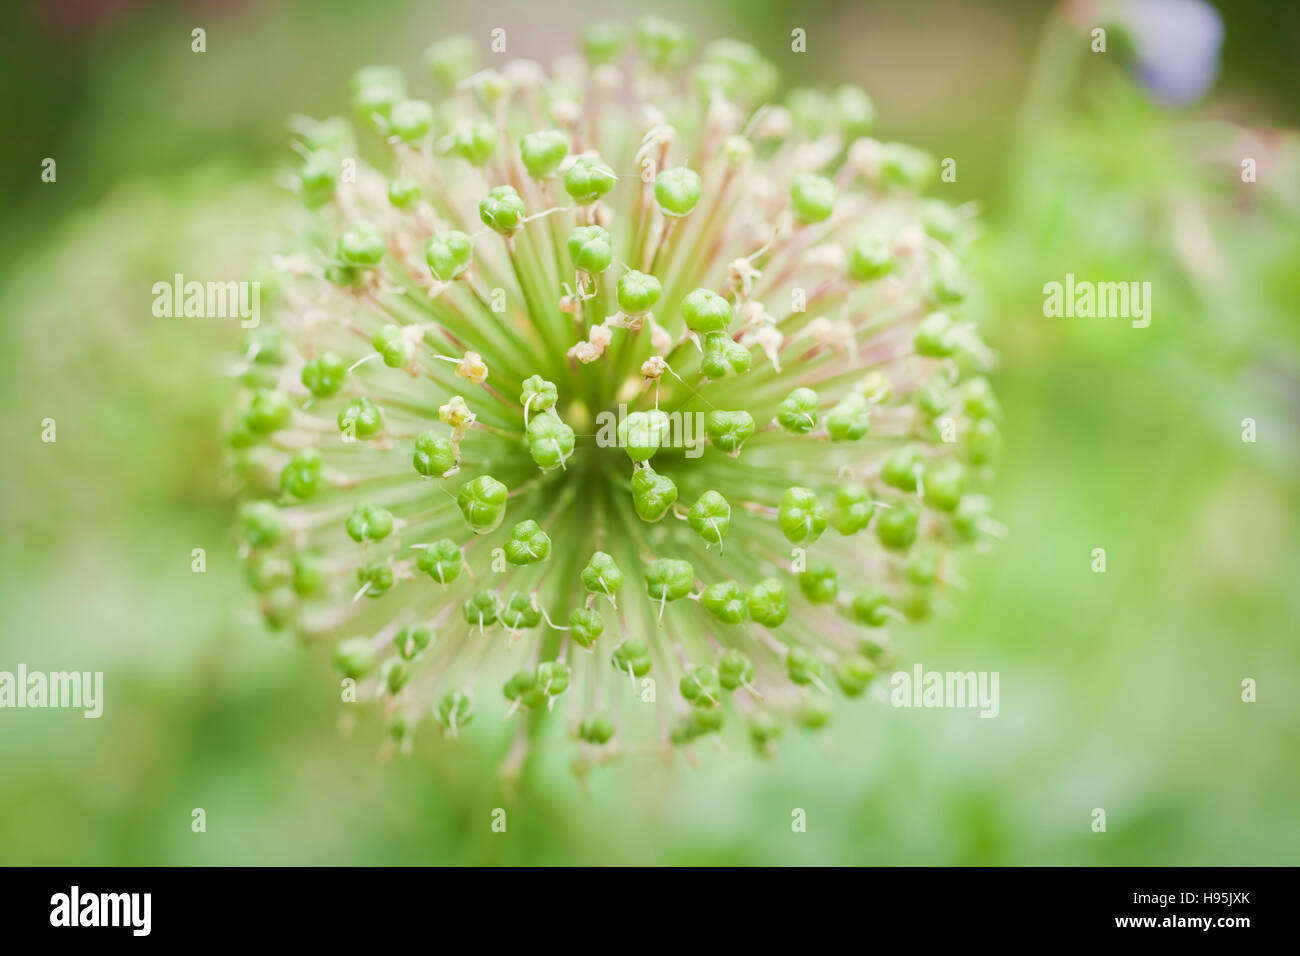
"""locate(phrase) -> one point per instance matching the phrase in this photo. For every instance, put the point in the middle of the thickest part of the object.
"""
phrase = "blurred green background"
(1119, 690)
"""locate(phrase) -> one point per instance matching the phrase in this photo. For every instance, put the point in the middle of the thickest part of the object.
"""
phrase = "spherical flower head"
(682, 335)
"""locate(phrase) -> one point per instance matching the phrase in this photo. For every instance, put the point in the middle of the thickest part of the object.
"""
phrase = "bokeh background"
(1119, 690)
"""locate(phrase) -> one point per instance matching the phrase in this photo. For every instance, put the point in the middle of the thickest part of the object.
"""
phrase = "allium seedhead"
(608, 383)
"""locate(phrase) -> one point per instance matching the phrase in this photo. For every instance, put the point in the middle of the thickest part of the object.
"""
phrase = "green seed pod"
(502, 210)
(377, 578)
(589, 178)
(354, 657)
(411, 120)
(520, 613)
(934, 397)
(706, 311)
(632, 657)
(710, 517)
(553, 677)
(854, 673)
(669, 579)
(980, 401)
(704, 720)
(661, 42)
(361, 418)
(735, 669)
(897, 527)
(262, 524)
(982, 441)
(301, 478)
(404, 192)
(935, 336)
(723, 356)
(528, 544)
(452, 59)
(550, 441)
(602, 575)
(434, 455)
(268, 412)
(586, 626)
(871, 608)
(700, 686)
(726, 601)
(481, 609)
(850, 419)
(906, 167)
(812, 197)
(642, 433)
(903, 468)
(448, 254)
(677, 191)
(602, 42)
(309, 575)
(394, 675)
(362, 245)
(798, 411)
(870, 258)
(377, 89)
(768, 603)
(394, 346)
(590, 249)
(411, 640)
(801, 516)
(948, 284)
(728, 431)
(922, 565)
(597, 729)
(324, 375)
(763, 729)
(652, 494)
(543, 151)
(319, 177)
(440, 560)
(637, 292)
(482, 502)
(264, 574)
(279, 608)
(538, 395)
(819, 582)
(854, 111)
(369, 522)
(475, 144)
(454, 710)
(971, 514)
(851, 509)
(814, 713)
(945, 486)
(802, 666)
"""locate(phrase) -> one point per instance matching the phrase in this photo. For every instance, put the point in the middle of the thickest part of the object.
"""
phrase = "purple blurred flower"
(1177, 47)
